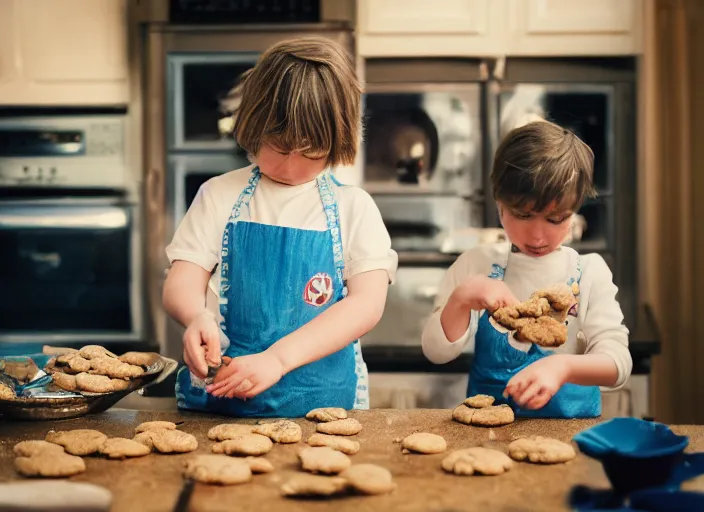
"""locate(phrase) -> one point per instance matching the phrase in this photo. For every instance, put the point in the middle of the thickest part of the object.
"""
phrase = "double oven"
(190, 70)
(70, 227)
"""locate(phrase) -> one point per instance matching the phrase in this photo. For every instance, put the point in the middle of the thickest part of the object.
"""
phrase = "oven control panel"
(86, 151)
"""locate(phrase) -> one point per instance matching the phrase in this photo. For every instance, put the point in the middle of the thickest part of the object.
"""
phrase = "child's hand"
(535, 385)
(480, 292)
(201, 344)
(247, 376)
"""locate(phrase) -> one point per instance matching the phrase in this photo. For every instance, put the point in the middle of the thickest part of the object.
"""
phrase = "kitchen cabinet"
(419, 28)
(63, 52)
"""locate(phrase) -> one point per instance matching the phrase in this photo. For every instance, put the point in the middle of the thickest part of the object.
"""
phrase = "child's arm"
(606, 361)
(460, 299)
(326, 334)
(184, 300)
(194, 252)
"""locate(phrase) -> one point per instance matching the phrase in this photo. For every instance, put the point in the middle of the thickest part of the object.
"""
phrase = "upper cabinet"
(63, 52)
(498, 27)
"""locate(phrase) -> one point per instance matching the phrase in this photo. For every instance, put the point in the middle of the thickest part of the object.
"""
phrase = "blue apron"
(274, 280)
(495, 362)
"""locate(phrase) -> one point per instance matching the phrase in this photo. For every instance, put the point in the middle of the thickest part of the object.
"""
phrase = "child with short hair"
(300, 263)
(541, 175)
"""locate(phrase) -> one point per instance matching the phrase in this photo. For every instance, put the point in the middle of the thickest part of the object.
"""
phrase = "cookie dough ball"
(423, 442)
(369, 479)
(541, 450)
(478, 460)
(323, 460)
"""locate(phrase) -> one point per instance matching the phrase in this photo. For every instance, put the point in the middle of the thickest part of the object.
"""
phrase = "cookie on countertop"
(541, 450)
(346, 427)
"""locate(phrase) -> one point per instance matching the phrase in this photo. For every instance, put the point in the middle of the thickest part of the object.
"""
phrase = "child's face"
(288, 168)
(536, 233)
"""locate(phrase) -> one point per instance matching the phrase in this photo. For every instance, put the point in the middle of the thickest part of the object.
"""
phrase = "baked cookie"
(303, 484)
(143, 359)
(154, 425)
(424, 442)
(463, 414)
(477, 460)
(121, 448)
(479, 401)
(114, 368)
(228, 431)
(144, 438)
(167, 441)
(93, 351)
(535, 307)
(245, 444)
(74, 362)
(259, 465)
(369, 479)
(65, 381)
(341, 444)
(280, 431)
(494, 416)
(326, 414)
(99, 383)
(6, 392)
(346, 427)
(560, 296)
(78, 442)
(544, 331)
(50, 465)
(323, 460)
(541, 450)
(32, 448)
(217, 469)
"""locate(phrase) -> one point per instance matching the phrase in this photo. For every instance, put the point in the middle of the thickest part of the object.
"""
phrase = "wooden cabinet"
(423, 28)
(63, 52)
(574, 27)
(498, 27)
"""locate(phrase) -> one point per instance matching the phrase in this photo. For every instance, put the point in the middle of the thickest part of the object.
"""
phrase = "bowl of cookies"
(634, 453)
(62, 383)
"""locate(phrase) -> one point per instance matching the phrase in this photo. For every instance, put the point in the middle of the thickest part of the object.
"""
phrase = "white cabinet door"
(63, 52)
(424, 28)
(574, 27)
(9, 69)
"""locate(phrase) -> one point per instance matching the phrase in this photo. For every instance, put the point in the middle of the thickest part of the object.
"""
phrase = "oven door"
(408, 307)
(198, 84)
(69, 271)
(186, 174)
(423, 138)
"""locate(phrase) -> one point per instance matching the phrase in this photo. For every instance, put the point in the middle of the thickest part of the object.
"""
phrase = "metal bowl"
(58, 407)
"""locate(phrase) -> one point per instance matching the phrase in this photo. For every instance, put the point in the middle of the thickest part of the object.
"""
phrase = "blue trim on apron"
(274, 280)
(495, 362)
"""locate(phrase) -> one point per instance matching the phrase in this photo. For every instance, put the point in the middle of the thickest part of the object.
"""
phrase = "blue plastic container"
(635, 454)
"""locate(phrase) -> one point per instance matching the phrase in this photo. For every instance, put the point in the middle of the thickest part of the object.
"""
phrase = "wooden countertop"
(153, 483)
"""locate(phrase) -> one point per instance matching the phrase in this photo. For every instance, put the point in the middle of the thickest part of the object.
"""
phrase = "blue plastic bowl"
(635, 454)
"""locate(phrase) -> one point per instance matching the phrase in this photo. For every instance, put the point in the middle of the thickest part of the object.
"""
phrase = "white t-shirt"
(365, 241)
(598, 328)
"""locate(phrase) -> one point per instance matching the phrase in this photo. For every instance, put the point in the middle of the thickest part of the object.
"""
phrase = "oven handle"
(89, 217)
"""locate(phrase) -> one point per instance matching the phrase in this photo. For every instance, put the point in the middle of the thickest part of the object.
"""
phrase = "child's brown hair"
(303, 95)
(540, 164)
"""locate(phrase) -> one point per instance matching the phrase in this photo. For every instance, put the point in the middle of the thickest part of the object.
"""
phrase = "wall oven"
(70, 251)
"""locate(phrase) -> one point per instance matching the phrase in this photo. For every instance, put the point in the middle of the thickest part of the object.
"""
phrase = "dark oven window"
(585, 112)
(64, 279)
(205, 84)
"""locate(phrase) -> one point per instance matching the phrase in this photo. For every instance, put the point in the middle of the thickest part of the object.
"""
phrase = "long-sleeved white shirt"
(597, 329)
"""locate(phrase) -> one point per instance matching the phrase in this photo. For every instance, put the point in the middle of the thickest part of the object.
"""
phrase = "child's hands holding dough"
(536, 384)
